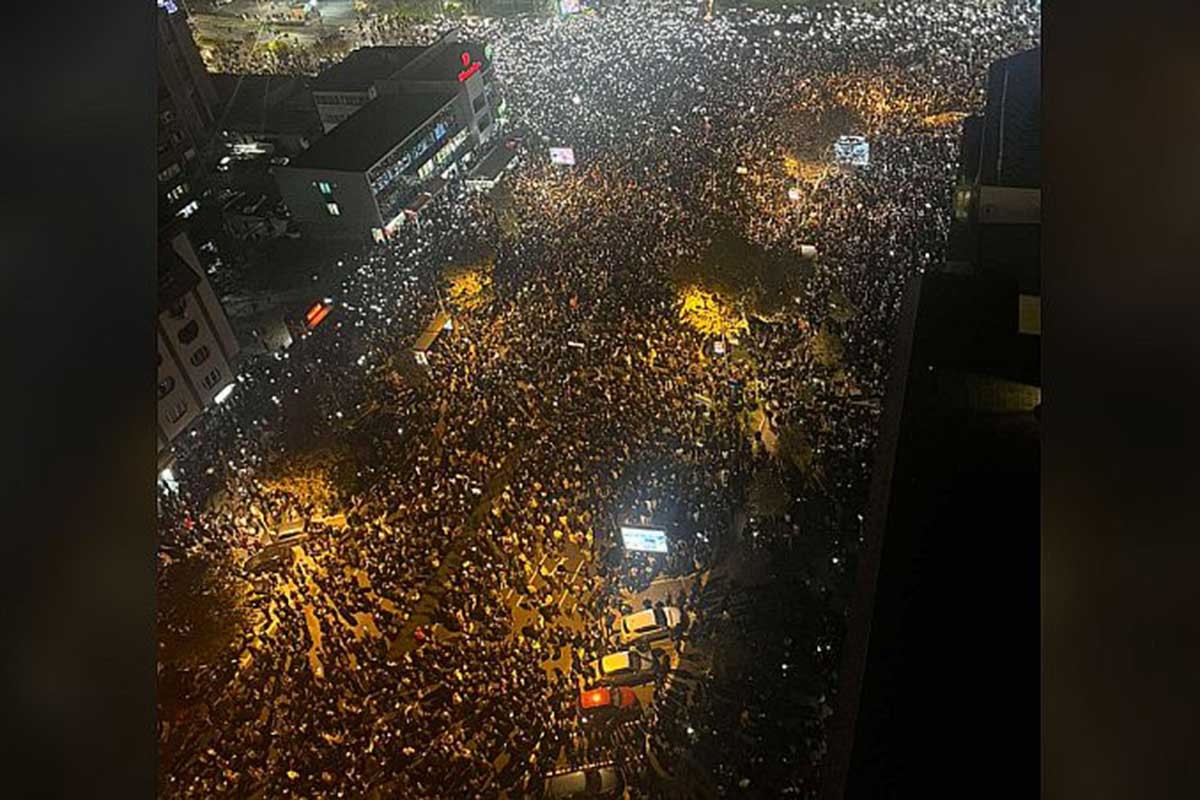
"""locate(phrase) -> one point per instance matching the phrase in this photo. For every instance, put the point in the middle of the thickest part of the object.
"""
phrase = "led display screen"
(645, 540)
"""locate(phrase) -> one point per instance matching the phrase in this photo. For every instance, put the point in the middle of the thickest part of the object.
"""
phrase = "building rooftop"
(175, 277)
(369, 133)
(265, 104)
(446, 62)
(1011, 137)
(494, 163)
(364, 66)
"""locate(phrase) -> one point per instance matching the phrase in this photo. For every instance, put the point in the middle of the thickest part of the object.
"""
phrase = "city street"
(642, 342)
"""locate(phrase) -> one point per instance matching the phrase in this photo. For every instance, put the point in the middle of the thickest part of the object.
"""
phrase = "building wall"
(187, 101)
(335, 106)
(478, 97)
(197, 351)
(397, 177)
(301, 190)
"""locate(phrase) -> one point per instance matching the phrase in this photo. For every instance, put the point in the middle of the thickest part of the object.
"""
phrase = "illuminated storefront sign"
(469, 67)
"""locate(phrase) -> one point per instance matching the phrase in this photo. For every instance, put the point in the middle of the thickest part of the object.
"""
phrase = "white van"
(649, 625)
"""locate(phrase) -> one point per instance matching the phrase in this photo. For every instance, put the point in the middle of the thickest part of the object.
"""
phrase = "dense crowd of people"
(387, 656)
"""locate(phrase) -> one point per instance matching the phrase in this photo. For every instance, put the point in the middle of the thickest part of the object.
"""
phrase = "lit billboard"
(566, 7)
(853, 150)
(564, 156)
(645, 540)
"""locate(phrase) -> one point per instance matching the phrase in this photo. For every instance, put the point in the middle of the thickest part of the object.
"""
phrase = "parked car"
(603, 699)
(649, 625)
(625, 668)
(600, 780)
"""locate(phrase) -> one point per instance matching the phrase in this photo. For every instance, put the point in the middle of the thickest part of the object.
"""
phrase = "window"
(167, 116)
(190, 153)
(178, 308)
(211, 379)
(177, 193)
(325, 188)
(177, 411)
(485, 121)
(333, 209)
(188, 333)
(200, 356)
(169, 172)
(189, 209)
(479, 102)
(166, 385)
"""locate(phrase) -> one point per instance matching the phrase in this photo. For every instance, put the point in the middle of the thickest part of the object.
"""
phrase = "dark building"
(998, 203)
(360, 179)
(939, 681)
(186, 112)
(450, 64)
(270, 113)
(400, 122)
(197, 350)
(357, 80)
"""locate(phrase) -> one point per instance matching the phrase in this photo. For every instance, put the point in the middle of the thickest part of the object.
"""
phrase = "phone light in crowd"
(794, 193)
(223, 395)
(167, 479)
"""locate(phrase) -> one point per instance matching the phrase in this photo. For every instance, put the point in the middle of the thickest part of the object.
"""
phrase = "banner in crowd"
(852, 150)
(563, 156)
(645, 540)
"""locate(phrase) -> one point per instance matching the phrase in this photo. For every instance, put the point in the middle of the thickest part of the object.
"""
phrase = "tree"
(827, 348)
(769, 496)
(796, 449)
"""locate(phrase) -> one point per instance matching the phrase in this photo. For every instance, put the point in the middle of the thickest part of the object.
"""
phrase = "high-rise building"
(186, 108)
(939, 667)
(197, 349)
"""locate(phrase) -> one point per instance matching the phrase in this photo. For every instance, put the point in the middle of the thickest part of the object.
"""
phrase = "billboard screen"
(645, 540)
(566, 7)
(853, 150)
(562, 155)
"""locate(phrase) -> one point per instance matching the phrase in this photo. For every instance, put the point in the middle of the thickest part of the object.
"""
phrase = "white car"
(649, 625)
(602, 780)
(626, 668)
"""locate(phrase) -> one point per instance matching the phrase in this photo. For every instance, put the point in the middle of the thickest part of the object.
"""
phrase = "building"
(450, 64)
(197, 349)
(399, 123)
(377, 167)
(186, 106)
(271, 114)
(998, 200)
(939, 678)
(357, 80)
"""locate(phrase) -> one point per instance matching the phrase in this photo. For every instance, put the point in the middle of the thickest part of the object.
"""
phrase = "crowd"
(386, 658)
